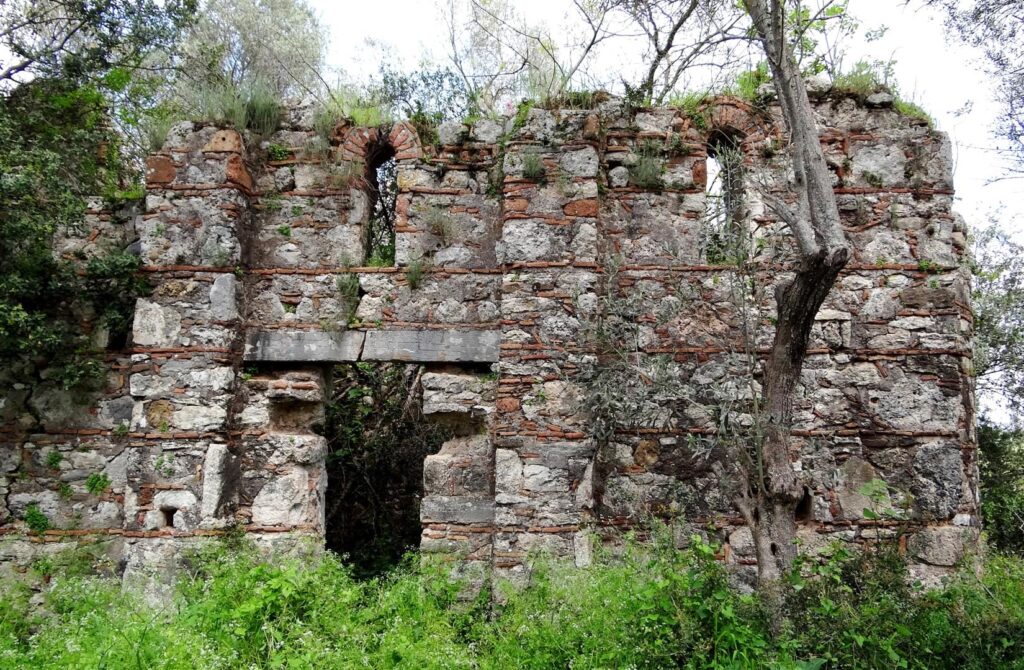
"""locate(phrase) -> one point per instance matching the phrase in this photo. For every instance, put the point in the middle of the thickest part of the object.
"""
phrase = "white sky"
(932, 69)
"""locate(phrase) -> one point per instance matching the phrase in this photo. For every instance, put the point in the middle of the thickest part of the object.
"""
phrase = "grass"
(417, 269)
(647, 172)
(653, 607)
(692, 104)
(533, 167)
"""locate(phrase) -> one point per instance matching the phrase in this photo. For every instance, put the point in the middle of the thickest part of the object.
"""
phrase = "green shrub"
(692, 104)
(53, 459)
(863, 80)
(416, 271)
(749, 81)
(651, 607)
(348, 296)
(278, 152)
(97, 483)
(262, 111)
(35, 519)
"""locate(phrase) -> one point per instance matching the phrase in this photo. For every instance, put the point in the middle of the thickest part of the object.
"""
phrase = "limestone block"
(879, 165)
(154, 325)
(579, 162)
(303, 346)
(285, 500)
(461, 468)
(943, 546)
(458, 393)
(456, 509)
(432, 346)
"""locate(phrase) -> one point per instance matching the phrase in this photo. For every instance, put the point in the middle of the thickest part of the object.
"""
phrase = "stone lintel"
(456, 509)
(414, 346)
(303, 346)
(432, 346)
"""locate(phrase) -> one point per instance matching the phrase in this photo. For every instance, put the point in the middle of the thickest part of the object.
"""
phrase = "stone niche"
(509, 238)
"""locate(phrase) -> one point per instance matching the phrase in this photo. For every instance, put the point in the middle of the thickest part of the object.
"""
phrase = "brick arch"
(738, 118)
(402, 138)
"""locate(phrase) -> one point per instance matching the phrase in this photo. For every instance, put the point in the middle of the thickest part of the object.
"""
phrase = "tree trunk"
(770, 504)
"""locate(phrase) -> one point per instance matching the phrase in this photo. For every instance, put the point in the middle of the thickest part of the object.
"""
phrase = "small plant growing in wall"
(97, 483)
(646, 172)
(284, 231)
(440, 224)
(121, 430)
(35, 519)
(53, 459)
(348, 296)
(416, 271)
(278, 152)
(533, 167)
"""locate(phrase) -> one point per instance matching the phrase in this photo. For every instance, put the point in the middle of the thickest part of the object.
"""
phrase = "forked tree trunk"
(771, 498)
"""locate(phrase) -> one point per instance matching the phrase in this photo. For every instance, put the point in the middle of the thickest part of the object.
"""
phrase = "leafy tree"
(998, 298)
(57, 149)
(1002, 485)
(772, 489)
(242, 48)
(78, 39)
(68, 66)
(997, 28)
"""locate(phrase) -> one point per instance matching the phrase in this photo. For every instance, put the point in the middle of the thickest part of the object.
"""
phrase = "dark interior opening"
(803, 508)
(381, 180)
(168, 513)
(377, 442)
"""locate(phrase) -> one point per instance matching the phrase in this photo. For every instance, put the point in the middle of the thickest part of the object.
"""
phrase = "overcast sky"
(932, 70)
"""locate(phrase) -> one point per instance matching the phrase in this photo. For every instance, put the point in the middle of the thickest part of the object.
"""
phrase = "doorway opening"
(377, 442)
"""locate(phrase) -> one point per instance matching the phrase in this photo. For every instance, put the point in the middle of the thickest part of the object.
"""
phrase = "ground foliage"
(653, 607)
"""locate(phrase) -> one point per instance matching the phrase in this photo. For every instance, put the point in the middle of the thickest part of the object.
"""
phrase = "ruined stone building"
(517, 244)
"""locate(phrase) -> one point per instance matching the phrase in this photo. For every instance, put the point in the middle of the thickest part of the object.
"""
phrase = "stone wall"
(514, 242)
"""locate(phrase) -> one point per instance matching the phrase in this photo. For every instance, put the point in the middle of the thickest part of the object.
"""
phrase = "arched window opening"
(723, 243)
(382, 188)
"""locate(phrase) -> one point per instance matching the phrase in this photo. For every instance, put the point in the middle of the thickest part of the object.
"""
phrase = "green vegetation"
(533, 167)
(348, 296)
(647, 171)
(1001, 464)
(749, 81)
(416, 271)
(97, 483)
(56, 150)
(867, 77)
(53, 459)
(692, 103)
(35, 519)
(655, 607)
(278, 152)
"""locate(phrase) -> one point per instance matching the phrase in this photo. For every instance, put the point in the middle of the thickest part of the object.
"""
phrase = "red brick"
(508, 404)
(582, 208)
(159, 170)
(700, 173)
(237, 173)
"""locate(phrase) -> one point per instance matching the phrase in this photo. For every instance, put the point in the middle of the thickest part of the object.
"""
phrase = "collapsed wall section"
(576, 252)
